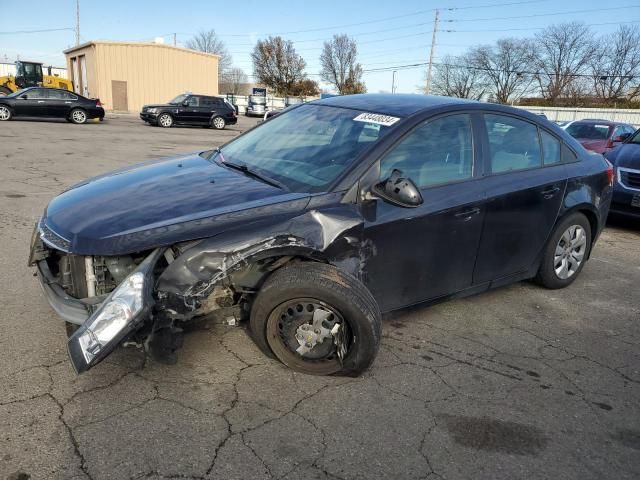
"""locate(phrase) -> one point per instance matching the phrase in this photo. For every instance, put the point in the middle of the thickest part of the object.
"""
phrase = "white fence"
(273, 103)
(568, 114)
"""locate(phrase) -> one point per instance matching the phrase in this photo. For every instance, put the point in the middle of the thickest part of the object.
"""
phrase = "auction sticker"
(376, 118)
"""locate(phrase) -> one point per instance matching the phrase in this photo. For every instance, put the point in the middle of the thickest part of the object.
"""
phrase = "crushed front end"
(104, 299)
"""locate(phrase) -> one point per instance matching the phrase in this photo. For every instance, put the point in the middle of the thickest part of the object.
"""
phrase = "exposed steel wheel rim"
(4, 113)
(570, 252)
(218, 123)
(294, 340)
(79, 116)
(165, 120)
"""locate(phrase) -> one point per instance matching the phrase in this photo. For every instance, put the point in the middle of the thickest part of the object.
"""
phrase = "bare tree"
(234, 81)
(339, 65)
(456, 77)
(504, 67)
(616, 64)
(208, 41)
(562, 53)
(277, 65)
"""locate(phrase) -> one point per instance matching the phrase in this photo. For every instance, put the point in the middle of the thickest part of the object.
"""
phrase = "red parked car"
(599, 136)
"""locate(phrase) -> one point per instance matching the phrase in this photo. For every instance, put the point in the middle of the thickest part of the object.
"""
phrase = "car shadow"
(622, 221)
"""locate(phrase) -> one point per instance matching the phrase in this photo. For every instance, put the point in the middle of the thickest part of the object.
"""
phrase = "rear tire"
(566, 252)
(218, 123)
(78, 116)
(298, 288)
(5, 113)
(165, 120)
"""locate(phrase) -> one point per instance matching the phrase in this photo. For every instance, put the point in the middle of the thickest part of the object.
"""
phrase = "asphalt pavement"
(516, 383)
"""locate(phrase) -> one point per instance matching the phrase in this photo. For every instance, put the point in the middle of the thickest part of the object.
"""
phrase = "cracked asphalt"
(515, 383)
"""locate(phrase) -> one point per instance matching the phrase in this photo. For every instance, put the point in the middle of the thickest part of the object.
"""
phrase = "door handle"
(467, 213)
(550, 192)
(40, 101)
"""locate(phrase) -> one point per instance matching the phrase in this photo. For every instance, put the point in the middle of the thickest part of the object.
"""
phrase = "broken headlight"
(118, 316)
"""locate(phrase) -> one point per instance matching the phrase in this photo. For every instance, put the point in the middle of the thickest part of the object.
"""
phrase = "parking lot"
(519, 382)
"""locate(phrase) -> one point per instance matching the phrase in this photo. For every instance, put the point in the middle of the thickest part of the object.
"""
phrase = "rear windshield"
(589, 131)
(309, 147)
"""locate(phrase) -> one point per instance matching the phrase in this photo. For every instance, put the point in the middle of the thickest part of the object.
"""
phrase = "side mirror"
(399, 190)
(24, 97)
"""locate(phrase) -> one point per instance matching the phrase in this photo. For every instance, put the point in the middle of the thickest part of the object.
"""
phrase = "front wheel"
(165, 120)
(566, 252)
(78, 116)
(317, 320)
(5, 113)
(218, 123)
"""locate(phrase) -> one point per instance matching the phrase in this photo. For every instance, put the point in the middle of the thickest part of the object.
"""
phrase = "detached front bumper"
(70, 309)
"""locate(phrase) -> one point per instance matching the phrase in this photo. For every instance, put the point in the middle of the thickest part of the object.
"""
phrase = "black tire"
(547, 276)
(4, 91)
(165, 120)
(6, 113)
(328, 286)
(218, 123)
(78, 116)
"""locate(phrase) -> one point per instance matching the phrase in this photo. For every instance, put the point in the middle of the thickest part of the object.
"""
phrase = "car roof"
(400, 105)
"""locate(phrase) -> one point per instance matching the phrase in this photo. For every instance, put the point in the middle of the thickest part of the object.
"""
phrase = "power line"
(17, 32)
(536, 28)
(537, 14)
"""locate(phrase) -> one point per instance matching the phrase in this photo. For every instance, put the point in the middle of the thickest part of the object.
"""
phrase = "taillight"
(98, 104)
(610, 172)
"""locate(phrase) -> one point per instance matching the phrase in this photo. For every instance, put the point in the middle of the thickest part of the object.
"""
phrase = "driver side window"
(437, 152)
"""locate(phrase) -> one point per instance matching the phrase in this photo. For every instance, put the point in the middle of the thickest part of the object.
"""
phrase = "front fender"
(333, 235)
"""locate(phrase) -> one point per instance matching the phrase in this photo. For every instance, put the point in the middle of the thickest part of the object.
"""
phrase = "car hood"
(161, 203)
(595, 145)
(626, 155)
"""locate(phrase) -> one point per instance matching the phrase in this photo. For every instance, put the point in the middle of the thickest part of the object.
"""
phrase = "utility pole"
(393, 82)
(77, 22)
(433, 49)
(174, 40)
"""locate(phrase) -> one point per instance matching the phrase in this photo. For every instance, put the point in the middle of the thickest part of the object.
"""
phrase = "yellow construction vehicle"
(29, 74)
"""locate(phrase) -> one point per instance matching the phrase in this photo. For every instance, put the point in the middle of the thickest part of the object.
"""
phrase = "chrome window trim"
(628, 170)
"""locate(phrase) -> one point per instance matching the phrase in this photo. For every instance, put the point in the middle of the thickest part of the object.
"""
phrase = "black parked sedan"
(50, 103)
(626, 160)
(312, 224)
(188, 109)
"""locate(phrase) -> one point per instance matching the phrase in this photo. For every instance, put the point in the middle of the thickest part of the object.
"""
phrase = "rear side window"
(567, 155)
(513, 143)
(550, 148)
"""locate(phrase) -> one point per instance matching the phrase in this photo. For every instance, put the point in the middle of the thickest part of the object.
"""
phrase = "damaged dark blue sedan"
(312, 224)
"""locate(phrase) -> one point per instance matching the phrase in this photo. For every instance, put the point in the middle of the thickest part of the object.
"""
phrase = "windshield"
(178, 100)
(308, 147)
(589, 131)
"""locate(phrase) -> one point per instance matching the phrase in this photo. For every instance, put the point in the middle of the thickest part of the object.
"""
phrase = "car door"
(32, 103)
(190, 112)
(525, 188)
(209, 107)
(427, 252)
(60, 102)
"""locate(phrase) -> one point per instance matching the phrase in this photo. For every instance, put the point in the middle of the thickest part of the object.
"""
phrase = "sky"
(391, 35)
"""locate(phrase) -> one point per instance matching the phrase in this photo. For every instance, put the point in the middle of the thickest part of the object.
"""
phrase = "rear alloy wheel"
(5, 113)
(566, 252)
(78, 116)
(165, 120)
(218, 123)
(317, 320)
